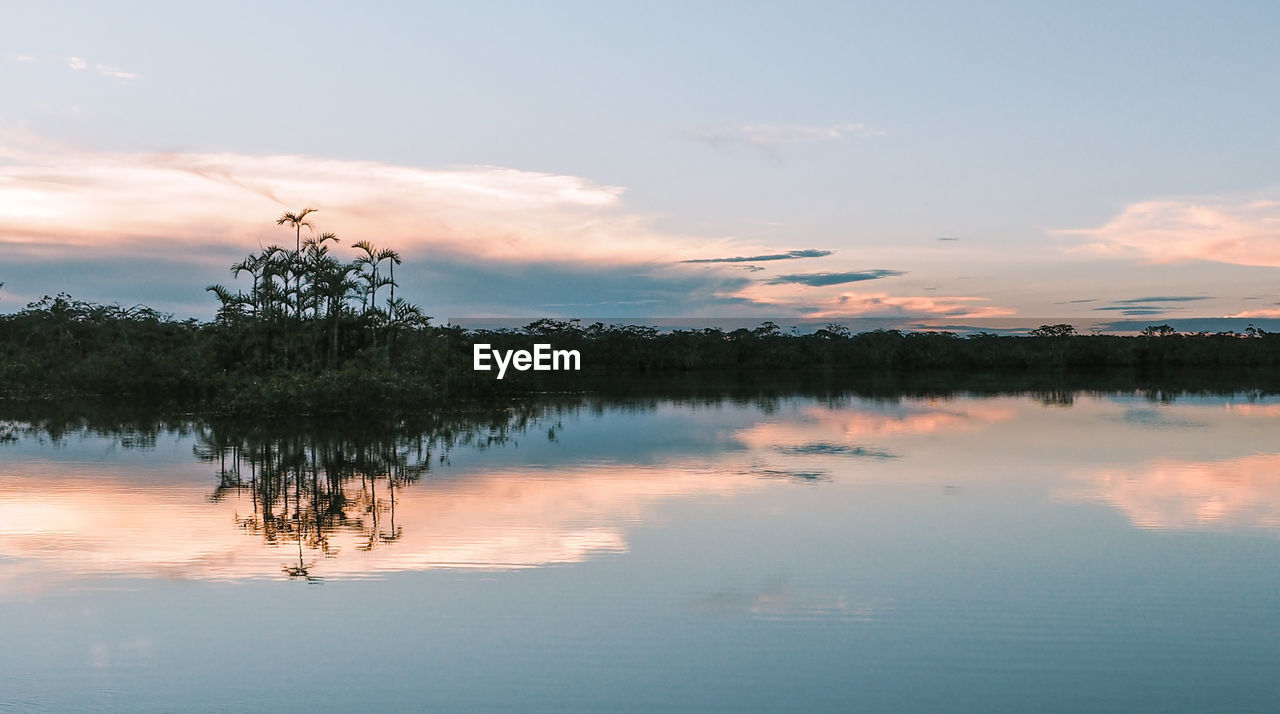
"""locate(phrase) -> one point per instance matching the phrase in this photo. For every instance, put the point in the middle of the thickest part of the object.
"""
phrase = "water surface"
(1059, 552)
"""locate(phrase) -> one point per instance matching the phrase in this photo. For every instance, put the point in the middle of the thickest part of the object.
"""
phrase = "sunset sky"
(1090, 161)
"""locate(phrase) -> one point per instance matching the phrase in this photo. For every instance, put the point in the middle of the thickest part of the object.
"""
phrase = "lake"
(1061, 551)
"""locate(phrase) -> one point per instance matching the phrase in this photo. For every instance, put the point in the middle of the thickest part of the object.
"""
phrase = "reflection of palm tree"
(301, 570)
(307, 488)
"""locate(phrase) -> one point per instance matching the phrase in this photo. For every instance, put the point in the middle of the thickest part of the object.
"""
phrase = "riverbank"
(62, 349)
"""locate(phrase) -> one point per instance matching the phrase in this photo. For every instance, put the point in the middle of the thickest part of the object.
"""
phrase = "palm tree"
(313, 263)
(332, 284)
(297, 220)
(394, 257)
(406, 314)
(274, 263)
(232, 304)
(368, 266)
(252, 264)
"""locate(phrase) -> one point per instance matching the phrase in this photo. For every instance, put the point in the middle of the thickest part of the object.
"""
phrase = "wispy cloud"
(80, 64)
(114, 72)
(884, 304)
(1153, 305)
(818, 303)
(789, 255)
(770, 137)
(823, 279)
(1224, 230)
(1131, 311)
(1163, 298)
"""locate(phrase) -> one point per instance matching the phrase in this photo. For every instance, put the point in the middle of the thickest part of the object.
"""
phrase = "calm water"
(1075, 553)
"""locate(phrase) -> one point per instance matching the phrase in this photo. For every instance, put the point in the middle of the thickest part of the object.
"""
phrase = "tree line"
(311, 332)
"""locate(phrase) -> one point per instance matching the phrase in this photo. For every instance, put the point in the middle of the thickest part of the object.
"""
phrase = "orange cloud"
(1242, 232)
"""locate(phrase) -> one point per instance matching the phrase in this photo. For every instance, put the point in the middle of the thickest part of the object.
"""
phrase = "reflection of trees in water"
(308, 485)
(1057, 397)
(306, 480)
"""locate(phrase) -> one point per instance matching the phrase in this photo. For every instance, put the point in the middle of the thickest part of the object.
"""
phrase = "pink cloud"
(833, 302)
(1242, 232)
(853, 303)
(114, 72)
(57, 201)
(837, 301)
(54, 198)
(1263, 312)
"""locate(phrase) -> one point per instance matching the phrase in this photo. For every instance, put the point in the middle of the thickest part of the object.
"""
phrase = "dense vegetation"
(314, 333)
(59, 347)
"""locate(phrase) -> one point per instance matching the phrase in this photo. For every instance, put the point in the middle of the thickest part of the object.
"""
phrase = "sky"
(1075, 161)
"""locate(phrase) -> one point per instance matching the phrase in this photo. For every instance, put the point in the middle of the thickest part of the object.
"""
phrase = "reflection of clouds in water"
(63, 520)
(832, 426)
(131, 651)
(500, 519)
(807, 445)
(801, 476)
(1168, 494)
(1158, 418)
(777, 600)
(826, 449)
(489, 521)
(819, 436)
(1254, 409)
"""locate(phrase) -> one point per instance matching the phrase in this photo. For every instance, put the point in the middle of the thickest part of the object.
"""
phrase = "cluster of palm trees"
(309, 285)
